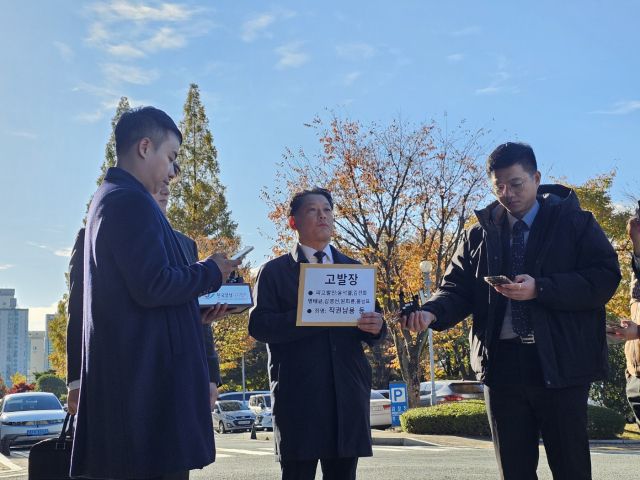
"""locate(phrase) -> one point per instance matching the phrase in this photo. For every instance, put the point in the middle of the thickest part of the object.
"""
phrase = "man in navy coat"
(320, 376)
(75, 305)
(144, 409)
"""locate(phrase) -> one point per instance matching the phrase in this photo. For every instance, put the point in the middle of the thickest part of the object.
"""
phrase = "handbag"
(51, 459)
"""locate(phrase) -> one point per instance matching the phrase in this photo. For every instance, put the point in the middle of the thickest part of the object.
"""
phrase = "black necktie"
(520, 310)
(319, 256)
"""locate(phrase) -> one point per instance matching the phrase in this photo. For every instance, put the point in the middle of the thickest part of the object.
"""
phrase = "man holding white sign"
(322, 368)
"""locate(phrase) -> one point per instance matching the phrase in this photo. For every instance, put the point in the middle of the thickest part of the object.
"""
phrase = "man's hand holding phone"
(417, 321)
(626, 331)
(226, 265)
(522, 288)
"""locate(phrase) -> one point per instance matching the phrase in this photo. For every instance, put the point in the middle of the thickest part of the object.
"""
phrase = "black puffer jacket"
(576, 271)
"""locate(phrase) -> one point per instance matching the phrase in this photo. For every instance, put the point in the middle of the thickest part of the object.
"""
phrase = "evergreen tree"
(198, 202)
(110, 151)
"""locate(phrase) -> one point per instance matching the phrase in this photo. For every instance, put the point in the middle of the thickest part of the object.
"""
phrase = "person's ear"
(144, 147)
(536, 178)
(292, 223)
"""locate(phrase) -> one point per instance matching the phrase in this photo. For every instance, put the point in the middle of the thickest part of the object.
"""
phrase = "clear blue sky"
(562, 76)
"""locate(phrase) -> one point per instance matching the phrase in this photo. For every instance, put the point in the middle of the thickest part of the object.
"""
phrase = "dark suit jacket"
(74, 310)
(190, 249)
(144, 407)
(320, 376)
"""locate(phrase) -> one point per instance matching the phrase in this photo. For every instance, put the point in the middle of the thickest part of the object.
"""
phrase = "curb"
(401, 441)
(614, 442)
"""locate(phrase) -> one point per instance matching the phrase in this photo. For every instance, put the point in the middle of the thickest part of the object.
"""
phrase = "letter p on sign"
(398, 394)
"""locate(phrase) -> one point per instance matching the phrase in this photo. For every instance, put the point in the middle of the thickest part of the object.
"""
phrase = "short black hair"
(298, 198)
(512, 153)
(141, 122)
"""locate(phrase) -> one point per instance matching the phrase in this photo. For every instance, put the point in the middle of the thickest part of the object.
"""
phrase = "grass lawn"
(631, 432)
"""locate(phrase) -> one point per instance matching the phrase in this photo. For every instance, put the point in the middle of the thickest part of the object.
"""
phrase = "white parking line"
(8, 463)
(246, 452)
(391, 448)
(222, 455)
(20, 453)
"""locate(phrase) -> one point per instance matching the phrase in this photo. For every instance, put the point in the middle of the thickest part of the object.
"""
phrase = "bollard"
(253, 433)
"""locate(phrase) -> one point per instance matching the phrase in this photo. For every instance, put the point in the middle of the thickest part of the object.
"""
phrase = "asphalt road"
(240, 458)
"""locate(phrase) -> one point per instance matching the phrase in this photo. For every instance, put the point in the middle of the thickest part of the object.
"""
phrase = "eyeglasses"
(500, 190)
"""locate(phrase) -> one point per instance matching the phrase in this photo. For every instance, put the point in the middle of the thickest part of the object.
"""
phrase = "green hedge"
(455, 418)
(604, 423)
(470, 418)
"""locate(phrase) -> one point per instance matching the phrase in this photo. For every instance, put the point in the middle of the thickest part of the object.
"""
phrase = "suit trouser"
(633, 396)
(521, 409)
(332, 469)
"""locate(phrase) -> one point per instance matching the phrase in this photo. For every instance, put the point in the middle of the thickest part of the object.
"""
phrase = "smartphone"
(497, 280)
(242, 253)
(612, 326)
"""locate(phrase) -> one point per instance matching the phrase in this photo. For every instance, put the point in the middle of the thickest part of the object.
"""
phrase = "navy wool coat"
(320, 376)
(144, 406)
(74, 313)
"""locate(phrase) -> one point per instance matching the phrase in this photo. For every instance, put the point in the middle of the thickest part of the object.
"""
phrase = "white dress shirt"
(309, 253)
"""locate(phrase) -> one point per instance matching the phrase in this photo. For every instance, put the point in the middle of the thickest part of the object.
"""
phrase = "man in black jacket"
(320, 376)
(538, 342)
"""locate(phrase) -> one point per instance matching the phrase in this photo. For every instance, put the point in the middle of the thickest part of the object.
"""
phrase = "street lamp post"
(425, 268)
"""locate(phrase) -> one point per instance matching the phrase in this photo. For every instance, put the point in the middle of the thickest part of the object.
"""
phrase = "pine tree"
(110, 151)
(198, 202)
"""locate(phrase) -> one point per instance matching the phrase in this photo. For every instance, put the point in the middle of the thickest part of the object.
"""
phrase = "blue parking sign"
(399, 404)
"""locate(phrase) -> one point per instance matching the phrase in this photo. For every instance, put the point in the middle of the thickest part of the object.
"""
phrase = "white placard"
(335, 294)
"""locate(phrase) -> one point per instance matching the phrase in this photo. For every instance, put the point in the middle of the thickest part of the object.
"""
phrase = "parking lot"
(242, 458)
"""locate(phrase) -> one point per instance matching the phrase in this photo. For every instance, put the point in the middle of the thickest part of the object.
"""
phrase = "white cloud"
(125, 50)
(129, 74)
(65, 252)
(97, 34)
(465, 31)
(37, 316)
(5, 267)
(251, 29)
(621, 108)
(64, 50)
(166, 12)
(500, 78)
(165, 39)
(490, 90)
(290, 57)
(355, 51)
(23, 134)
(483, 91)
(350, 78)
(456, 57)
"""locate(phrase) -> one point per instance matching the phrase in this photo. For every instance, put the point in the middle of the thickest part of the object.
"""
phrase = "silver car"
(232, 416)
(27, 418)
(451, 391)
(260, 404)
